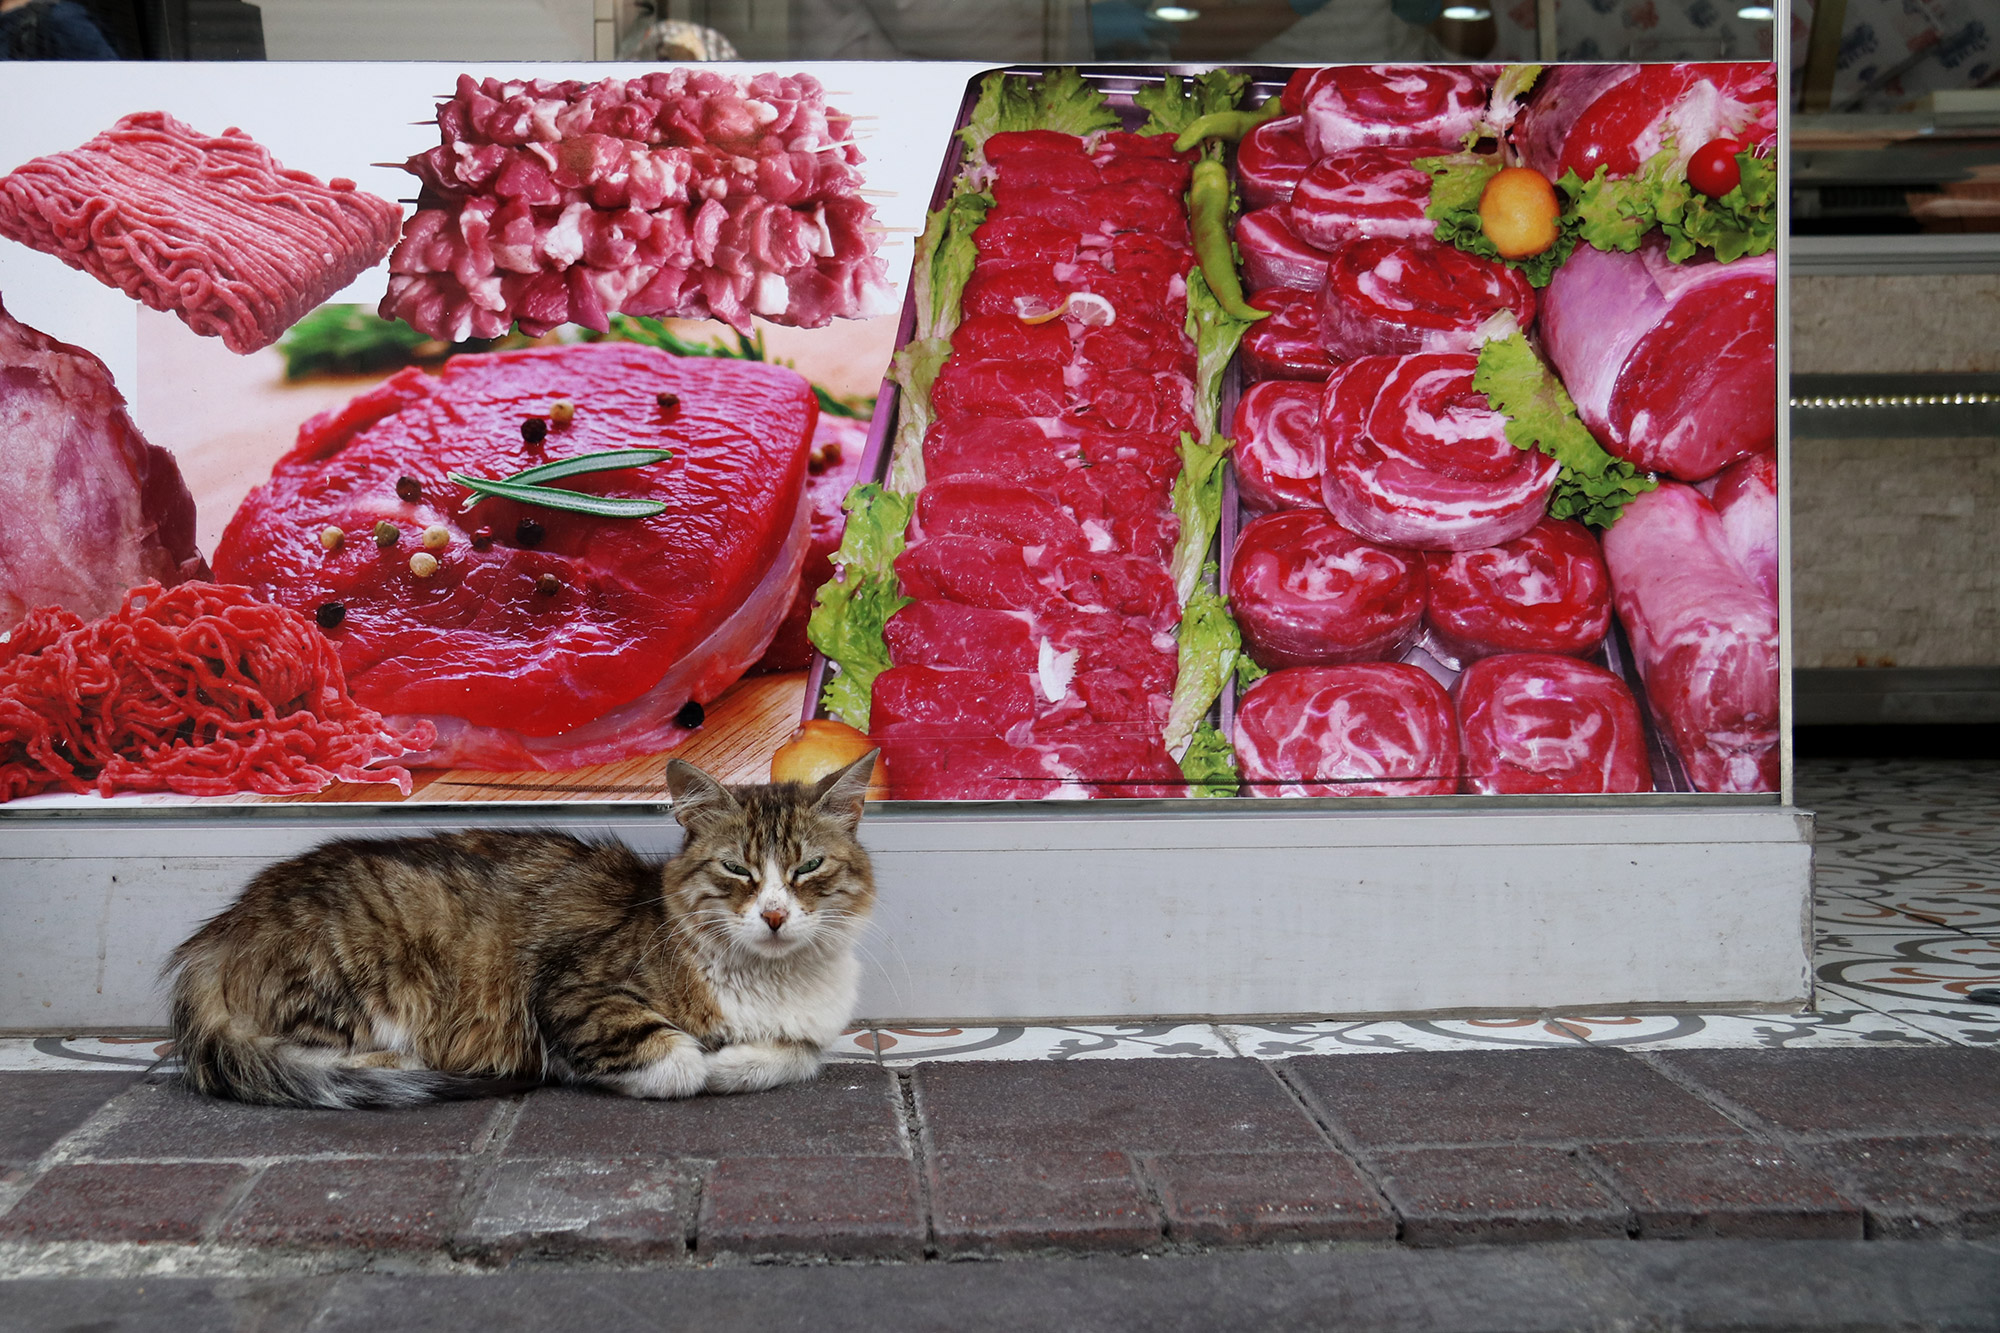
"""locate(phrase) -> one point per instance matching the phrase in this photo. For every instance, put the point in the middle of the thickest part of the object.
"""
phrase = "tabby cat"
(390, 972)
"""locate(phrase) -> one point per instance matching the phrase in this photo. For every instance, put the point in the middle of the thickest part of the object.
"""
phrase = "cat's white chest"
(804, 1003)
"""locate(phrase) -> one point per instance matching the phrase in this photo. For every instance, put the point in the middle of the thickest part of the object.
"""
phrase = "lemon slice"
(1090, 309)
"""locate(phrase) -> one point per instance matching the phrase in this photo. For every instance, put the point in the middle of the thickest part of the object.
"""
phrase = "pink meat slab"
(1535, 723)
(1307, 592)
(1745, 496)
(1617, 116)
(1369, 729)
(1546, 591)
(211, 228)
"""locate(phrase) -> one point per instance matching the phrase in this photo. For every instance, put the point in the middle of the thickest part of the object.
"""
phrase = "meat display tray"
(1119, 83)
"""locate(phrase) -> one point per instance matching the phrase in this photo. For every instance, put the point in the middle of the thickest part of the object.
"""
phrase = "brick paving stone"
(1039, 1201)
(124, 1202)
(164, 1119)
(1262, 1198)
(631, 1208)
(1084, 1105)
(1923, 1185)
(354, 1204)
(1931, 1089)
(38, 1107)
(1454, 1196)
(842, 1207)
(1504, 1097)
(1730, 1189)
(849, 1110)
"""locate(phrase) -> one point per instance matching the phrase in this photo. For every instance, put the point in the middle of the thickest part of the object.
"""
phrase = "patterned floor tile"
(1917, 970)
(1279, 1041)
(1840, 1025)
(854, 1044)
(82, 1052)
(1120, 1041)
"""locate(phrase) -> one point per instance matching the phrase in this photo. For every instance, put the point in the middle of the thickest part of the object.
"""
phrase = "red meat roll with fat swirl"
(1366, 729)
(1393, 296)
(1536, 723)
(1544, 592)
(1307, 592)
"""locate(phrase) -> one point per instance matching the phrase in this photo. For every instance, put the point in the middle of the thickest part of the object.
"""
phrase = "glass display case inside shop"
(1068, 433)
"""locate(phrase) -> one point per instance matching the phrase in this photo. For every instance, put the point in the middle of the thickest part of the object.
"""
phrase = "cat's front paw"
(681, 1072)
(756, 1065)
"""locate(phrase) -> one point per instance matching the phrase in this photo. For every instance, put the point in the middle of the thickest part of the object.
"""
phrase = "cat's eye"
(807, 867)
(741, 872)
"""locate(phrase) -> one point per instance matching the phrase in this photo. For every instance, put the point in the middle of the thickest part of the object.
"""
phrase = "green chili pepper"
(1230, 125)
(1208, 218)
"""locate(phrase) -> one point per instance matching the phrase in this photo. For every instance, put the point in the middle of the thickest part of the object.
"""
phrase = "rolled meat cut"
(1270, 161)
(1705, 635)
(1415, 456)
(1745, 496)
(1274, 256)
(1367, 729)
(1544, 592)
(1286, 345)
(1277, 454)
(1391, 296)
(1360, 192)
(1344, 106)
(1672, 366)
(1583, 117)
(1537, 723)
(1307, 592)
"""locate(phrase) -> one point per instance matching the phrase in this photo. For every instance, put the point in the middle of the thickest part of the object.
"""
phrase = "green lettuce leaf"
(1510, 93)
(1174, 104)
(945, 255)
(850, 610)
(1215, 332)
(1593, 487)
(1456, 184)
(1197, 498)
(914, 370)
(1060, 100)
(1617, 214)
(1248, 673)
(1209, 645)
(1210, 764)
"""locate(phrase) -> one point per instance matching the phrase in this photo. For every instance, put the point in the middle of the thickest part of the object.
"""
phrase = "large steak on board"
(1535, 723)
(93, 510)
(1705, 635)
(544, 639)
(1369, 729)
(1673, 366)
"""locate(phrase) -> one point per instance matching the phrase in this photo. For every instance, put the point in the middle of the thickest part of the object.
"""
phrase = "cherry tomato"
(1713, 169)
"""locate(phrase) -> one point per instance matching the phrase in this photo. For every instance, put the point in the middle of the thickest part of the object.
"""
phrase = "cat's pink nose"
(774, 918)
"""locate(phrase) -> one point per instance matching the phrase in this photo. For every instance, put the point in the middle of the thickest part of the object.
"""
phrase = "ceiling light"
(1756, 13)
(1174, 13)
(1468, 13)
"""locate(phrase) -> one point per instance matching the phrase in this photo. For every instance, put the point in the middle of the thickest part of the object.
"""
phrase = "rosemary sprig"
(555, 497)
(531, 479)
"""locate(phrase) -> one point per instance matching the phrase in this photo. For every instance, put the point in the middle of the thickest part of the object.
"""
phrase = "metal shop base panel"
(1022, 913)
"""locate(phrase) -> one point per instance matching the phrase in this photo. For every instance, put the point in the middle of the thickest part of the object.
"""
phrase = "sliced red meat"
(1014, 290)
(1018, 237)
(985, 506)
(1673, 366)
(1537, 724)
(1142, 402)
(1077, 762)
(1011, 143)
(1274, 256)
(212, 229)
(1130, 206)
(1415, 456)
(1157, 456)
(978, 571)
(1391, 296)
(1141, 255)
(1431, 105)
(1006, 336)
(1618, 116)
(1278, 448)
(1129, 585)
(1286, 344)
(1120, 502)
(1361, 192)
(838, 443)
(1705, 635)
(976, 703)
(998, 388)
(1367, 729)
(1060, 170)
(1546, 591)
(96, 510)
(569, 639)
(1130, 345)
(1307, 592)
(1270, 161)
(1018, 448)
(1052, 641)
(1745, 496)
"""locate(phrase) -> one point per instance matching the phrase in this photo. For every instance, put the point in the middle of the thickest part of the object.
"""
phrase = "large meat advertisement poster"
(386, 433)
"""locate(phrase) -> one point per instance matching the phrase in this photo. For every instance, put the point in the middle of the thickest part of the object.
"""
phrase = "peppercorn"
(534, 430)
(332, 538)
(562, 413)
(690, 716)
(482, 539)
(436, 537)
(386, 534)
(423, 564)
(669, 402)
(548, 585)
(409, 490)
(330, 615)
(528, 532)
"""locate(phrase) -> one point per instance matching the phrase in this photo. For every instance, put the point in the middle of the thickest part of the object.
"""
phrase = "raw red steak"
(1277, 454)
(635, 616)
(1392, 296)
(1544, 592)
(1673, 366)
(1415, 456)
(1535, 724)
(1618, 116)
(1076, 763)
(1745, 495)
(1368, 729)
(838, 443)
(1054, 642)
(211, 228)
(1362, 192)
(1307, 592)
(1286, 344)
(1433, 105)
(95, 510)
(1705, 635)
(1270, 161)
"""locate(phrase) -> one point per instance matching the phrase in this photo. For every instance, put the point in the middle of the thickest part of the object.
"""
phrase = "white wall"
(456, 30)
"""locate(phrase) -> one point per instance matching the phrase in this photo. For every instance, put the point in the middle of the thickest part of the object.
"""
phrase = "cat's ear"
(698, 798)
(839, 796)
